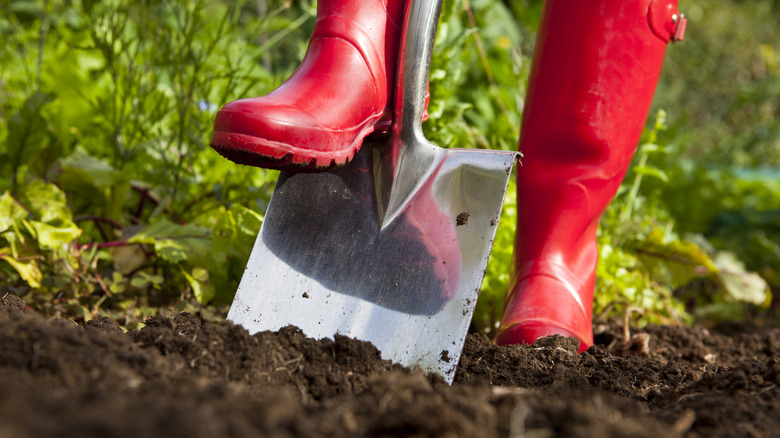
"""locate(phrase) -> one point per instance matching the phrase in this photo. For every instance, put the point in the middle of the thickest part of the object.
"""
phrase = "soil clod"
(463, 218)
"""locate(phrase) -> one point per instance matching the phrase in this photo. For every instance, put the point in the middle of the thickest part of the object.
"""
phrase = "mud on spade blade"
(390, 248)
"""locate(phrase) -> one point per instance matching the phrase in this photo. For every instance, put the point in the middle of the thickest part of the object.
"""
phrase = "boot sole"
(255, 151)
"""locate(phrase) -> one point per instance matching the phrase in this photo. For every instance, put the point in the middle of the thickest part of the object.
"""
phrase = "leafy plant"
(643, 261)
(477, 77)
(111, 129)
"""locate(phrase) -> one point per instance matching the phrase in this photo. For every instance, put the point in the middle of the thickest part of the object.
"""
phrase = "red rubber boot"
(339, 94)
(594, 72)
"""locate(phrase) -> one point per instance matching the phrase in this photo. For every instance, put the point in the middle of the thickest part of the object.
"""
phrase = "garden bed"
(181, 377)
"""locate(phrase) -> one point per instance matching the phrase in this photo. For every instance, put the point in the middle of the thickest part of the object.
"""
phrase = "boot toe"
(265, 133)
(264, 118)
(545, 303)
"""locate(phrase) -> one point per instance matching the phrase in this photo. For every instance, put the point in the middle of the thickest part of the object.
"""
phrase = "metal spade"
(392, 247)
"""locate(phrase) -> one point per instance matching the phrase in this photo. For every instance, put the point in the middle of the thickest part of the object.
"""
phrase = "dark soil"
(183, 378)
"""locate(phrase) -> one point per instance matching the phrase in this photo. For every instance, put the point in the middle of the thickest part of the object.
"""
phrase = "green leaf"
(676, 261)
(53, 237)
(738, 284)
(247, 221)
(235, 233)
(28, 7)
(10, 210)
(177, 250)
(46, 202)
(30, 271)
(117, 283)
(199, 282)
(660, 120)
(175, 243)
(144, 279)
(651, 171)
(94, 185)
(27, 130)
(93, 170)
(652, 148)
(51, 222)
(139, 281)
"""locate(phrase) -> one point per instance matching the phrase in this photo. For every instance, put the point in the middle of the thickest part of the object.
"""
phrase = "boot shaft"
(595, 68)
(373, 26)
(594, 73)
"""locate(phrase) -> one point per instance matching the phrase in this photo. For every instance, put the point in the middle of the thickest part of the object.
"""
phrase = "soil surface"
(180, 377)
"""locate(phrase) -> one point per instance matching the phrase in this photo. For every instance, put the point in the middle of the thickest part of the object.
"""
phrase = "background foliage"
(113, 204)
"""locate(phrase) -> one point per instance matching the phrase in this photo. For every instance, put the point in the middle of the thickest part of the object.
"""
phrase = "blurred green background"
(113, 203)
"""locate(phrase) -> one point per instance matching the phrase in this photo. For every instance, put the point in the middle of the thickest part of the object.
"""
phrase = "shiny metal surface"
(389, 249)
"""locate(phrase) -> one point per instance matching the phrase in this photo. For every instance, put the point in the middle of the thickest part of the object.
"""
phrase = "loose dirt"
(180, 377)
